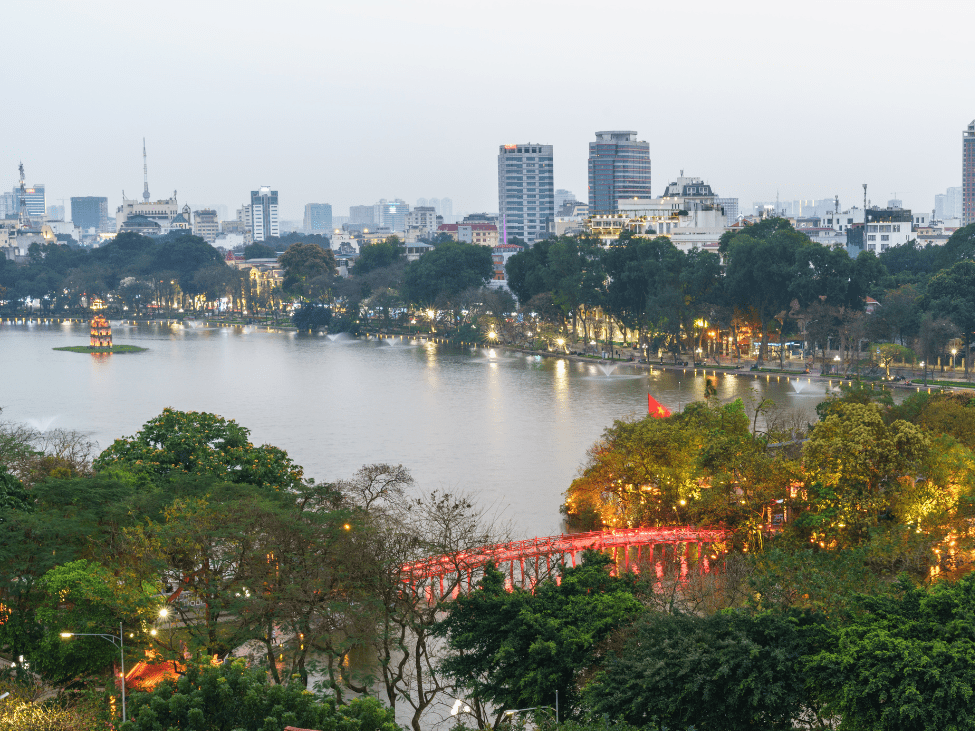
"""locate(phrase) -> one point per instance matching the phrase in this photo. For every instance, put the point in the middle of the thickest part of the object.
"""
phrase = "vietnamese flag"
(656, 409)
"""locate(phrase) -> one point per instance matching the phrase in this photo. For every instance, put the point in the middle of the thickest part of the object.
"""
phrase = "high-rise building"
(446, 207)
(8, 205)
(619, 167)
(391, 214)
(55, 213)
(968, 174)
(526, 191)
(318, 218)
(90, 212)
(561, 196)
(33, 199)
(362, 215)
(730, 206)
(264, 213)
(206, 224)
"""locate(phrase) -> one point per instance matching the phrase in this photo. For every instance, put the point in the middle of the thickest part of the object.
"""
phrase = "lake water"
(509, 428)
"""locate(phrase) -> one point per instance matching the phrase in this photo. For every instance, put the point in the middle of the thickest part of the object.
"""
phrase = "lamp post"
(954, 352)
(513, 711)
(924, 369)
(119, 645)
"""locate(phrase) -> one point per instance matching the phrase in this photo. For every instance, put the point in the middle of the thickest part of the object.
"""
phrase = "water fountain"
(42, 425)
(607, 368)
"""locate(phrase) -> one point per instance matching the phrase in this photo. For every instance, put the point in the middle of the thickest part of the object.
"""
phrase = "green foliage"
(378, 256)
(307, 268)
(311, 317)
(85, 597)
(515, 649)
(229, 697)
(702, 466)
(903, 663)
(722, 672)
(447, 271)
(199, 443)
(857, 467)
(13, 496)
(257, 250)
(67, 520)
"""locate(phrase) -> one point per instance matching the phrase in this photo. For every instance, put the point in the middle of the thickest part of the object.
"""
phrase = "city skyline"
(753, 131)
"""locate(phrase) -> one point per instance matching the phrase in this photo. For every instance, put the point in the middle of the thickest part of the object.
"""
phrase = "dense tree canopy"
(198, 443)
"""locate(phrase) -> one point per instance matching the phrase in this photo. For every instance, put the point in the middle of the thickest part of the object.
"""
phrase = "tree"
(951, 294)
(903, 662)
(311, 317)
(724, 672)
(768, 273)
(85, 597)
(516, 649)
(230, 697)
(198, 443)
(397, 532)
(858, 471)
(378, 255)
(257, 250)
(63, 520)
(446, 271)
(304, 263)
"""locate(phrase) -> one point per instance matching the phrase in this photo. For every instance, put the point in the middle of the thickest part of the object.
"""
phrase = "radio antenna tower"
(24, 214)
(145, 173)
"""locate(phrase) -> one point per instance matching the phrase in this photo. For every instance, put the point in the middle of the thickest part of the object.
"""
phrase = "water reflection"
(514, 433)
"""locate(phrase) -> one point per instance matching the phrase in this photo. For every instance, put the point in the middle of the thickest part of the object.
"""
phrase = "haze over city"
(349, 103)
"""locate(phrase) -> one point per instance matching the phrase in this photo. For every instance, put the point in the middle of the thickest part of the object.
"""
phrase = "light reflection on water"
(512, 429)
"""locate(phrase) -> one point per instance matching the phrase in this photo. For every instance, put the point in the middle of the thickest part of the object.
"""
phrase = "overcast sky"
(348, 102)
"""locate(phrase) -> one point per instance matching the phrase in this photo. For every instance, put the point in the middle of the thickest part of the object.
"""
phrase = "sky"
(349, 102)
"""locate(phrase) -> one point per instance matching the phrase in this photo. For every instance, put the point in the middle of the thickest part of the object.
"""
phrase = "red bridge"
(680, 550)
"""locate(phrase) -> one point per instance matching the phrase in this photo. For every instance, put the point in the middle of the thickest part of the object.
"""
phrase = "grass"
(113, 349)
(946, 384)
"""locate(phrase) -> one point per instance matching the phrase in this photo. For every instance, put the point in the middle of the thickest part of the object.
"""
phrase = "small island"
(101, 340)
(109, 349)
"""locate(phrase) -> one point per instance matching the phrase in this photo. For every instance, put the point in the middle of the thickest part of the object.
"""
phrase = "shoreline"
(743, 370)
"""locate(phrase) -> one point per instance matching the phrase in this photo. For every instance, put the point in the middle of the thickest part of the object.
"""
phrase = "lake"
(508, 428)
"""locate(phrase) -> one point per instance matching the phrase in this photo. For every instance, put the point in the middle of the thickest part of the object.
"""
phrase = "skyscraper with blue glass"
(619, 167)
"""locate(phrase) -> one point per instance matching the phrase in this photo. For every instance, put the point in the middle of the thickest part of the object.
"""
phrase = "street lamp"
(513, 711)
(119, 645)
(954, 352)
(924, 369)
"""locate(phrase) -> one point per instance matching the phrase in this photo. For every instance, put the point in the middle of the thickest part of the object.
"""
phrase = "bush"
(231, 697)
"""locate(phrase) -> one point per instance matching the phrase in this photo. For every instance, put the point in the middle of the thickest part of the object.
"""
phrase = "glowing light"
(66, 635)
(164, 612)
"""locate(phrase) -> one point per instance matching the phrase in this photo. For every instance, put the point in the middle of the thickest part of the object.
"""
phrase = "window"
(871, 237)
(884, 237)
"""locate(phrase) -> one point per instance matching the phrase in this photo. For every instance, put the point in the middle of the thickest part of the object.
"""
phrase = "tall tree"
(519, 648)
(951, 293)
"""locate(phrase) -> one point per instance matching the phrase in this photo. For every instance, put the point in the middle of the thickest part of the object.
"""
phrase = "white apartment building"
(526, 190)
(422, 221)
(263, 214)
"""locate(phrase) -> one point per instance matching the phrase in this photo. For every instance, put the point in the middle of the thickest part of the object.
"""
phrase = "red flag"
(656, 409)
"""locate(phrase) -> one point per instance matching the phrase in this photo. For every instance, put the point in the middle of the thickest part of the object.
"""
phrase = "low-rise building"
(485, 234)
(499, 257)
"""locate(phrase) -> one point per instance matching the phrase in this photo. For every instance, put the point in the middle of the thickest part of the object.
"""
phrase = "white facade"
(161, 212)
(263, 213)
(422, 221)
(842, 220)
(526, 190)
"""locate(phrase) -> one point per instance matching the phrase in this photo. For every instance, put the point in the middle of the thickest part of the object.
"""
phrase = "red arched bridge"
(677, 551)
